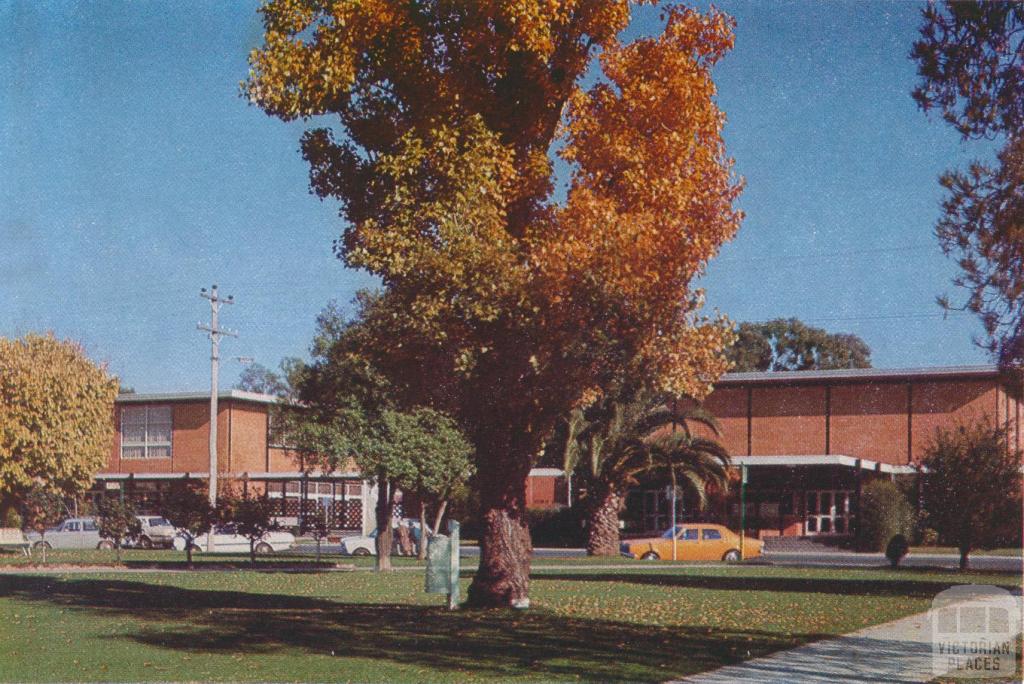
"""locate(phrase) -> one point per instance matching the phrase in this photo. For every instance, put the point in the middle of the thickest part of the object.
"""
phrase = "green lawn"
(626, 624)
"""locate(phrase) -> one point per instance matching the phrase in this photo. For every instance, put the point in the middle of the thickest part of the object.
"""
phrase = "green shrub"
(884, 513)
(557, 527)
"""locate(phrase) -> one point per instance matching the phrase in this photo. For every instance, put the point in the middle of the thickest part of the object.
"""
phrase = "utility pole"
(215, 334)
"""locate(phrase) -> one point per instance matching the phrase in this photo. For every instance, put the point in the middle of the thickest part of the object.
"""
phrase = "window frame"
(147, 442)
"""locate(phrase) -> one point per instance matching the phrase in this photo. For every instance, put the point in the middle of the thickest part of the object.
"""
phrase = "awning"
(822, 460)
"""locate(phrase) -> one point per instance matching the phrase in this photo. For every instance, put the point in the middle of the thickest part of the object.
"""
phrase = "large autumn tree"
(505, 303)
(970, 58)
(56, 418)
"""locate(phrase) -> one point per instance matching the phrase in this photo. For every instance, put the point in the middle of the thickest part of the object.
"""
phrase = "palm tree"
(617, 439)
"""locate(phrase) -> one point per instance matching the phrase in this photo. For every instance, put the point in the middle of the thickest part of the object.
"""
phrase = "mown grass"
(624, 624)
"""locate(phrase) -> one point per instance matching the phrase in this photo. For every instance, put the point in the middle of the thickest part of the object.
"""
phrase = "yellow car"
(694, 542)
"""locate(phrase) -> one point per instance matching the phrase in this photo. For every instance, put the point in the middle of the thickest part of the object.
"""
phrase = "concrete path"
(898, 652)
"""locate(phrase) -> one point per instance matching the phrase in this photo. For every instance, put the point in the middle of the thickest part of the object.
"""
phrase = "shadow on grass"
(911, 588)
(536, 644)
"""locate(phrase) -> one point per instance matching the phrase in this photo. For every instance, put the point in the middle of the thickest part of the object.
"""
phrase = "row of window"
(146, 432)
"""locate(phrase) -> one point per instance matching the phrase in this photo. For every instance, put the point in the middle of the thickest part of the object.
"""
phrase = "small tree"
(117, 522)
(971, 483)
(252, 516)
(884, 513)
(44, 508)
(188, 508)
(318, 526)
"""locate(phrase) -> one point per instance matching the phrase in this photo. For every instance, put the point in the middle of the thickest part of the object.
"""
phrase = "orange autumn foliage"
(502, 302)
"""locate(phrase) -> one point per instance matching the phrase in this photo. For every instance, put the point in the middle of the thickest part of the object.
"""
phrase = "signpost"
(743, 508)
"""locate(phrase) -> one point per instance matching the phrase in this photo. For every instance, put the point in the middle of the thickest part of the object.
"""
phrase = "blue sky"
(132, 174)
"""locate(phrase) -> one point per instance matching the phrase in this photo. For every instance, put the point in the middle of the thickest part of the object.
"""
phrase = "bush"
(896, 549)
(558, 527)
(884, 513)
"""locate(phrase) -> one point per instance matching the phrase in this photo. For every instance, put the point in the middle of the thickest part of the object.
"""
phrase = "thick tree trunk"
(603, 523)
(384, 538)
(503, 577)
(964, 562)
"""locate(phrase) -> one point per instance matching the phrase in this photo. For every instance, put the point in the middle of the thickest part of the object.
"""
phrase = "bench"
(13, 538)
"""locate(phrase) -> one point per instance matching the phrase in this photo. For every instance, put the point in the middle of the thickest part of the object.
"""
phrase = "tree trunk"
(440, 516)
(188, 551)
(421, 546)
(384, 511)
(603, 523)
(252, 552)
(964, 562)
(503, 578)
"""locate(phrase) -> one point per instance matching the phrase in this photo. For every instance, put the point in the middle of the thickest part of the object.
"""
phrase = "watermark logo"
(974, 632)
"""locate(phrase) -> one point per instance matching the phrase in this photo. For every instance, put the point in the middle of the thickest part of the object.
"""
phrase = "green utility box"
(443, 564)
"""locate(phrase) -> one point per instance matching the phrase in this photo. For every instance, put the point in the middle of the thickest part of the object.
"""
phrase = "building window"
(280, 424)
(145, 432)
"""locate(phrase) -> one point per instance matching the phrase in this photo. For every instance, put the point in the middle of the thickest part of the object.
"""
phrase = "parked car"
(694, 542)
(227, 540)
(366, 544)
(73, 533)
(157, 532)
(362, 545)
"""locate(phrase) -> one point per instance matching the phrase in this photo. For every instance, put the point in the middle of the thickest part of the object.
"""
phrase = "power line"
(886, 317)
(828, 255)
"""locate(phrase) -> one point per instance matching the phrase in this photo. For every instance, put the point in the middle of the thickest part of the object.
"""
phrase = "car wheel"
(361, 552)
(105, 545)
(263, 547)
(145, 543)
(732, 556)
(650, 556)
(42, 545)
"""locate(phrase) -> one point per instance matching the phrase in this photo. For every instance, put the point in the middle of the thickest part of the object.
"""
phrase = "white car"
(363, 545)
(156, 532)
(366, 544)
(226, 540)
(73, 533)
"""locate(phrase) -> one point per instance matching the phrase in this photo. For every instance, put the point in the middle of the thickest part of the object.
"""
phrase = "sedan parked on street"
(227, 540)
(156, 532)
(73, 533)
(694, 542)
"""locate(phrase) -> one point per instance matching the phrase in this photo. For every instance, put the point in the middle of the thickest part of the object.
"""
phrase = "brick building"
(161, 437)
(811, 439)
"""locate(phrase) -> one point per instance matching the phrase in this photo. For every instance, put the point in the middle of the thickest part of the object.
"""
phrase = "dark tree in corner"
(972, 488)
(971, 62)
(504, 305)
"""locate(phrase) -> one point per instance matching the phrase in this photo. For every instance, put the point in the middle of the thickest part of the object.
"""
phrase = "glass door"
(828, 512)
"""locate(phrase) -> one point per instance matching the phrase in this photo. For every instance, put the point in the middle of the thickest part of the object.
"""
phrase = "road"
(811, 559)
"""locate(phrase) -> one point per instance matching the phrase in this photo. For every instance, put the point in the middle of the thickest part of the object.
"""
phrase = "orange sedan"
(694, 542)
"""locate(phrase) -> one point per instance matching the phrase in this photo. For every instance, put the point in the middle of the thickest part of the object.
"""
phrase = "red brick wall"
(788, 420)
(869, 420)
(729, 406)
(943, 404)
(248, 451)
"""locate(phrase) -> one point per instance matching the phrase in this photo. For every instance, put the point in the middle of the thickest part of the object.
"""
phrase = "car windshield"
(667, 534)
(158, 522)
